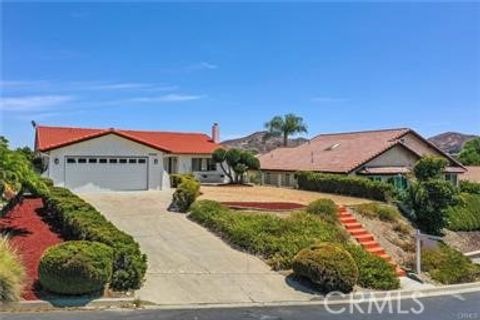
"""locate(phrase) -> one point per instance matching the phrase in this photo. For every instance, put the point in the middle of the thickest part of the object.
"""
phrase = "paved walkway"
(188, 264)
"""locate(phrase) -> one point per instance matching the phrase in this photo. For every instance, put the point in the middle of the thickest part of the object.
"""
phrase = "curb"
(67, 303)
(358, 297)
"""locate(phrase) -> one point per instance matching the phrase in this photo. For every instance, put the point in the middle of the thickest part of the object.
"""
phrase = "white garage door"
(84, 173)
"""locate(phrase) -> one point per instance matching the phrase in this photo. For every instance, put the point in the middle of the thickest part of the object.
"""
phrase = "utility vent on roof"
(332, 147)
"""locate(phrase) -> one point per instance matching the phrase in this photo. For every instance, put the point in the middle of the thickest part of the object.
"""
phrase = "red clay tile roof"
(335, 153)
(48, 138)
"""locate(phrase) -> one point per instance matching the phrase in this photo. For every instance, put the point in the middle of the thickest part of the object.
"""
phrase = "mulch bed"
(31, 236)
(268, 206)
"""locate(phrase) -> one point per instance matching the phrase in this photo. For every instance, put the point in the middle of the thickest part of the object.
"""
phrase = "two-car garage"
(108, 173)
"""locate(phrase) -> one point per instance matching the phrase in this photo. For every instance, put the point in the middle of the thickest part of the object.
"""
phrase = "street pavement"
(456, 307)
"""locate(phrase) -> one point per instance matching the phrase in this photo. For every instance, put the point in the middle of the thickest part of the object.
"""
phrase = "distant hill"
(451, 142)
(257, 143)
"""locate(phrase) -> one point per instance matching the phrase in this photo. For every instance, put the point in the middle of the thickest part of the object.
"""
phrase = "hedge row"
(78, 220)
(345, 185)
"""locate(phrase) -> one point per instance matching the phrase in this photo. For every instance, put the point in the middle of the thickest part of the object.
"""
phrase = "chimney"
(215, 133)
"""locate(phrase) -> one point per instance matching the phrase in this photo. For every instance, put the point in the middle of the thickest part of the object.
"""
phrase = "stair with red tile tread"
(365, 238)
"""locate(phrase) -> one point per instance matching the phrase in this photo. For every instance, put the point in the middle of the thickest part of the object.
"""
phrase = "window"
(112, 160)
(92, 160)
(452, 177)
(71, 160)
(123, 160)
(142, 161)
(102, 160)
(82, 160)
(203, 164)
(132, 160)
(211, 165)
(196, 164)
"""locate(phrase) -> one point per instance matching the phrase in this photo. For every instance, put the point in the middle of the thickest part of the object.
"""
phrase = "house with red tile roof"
(85, 159)
(386, 155)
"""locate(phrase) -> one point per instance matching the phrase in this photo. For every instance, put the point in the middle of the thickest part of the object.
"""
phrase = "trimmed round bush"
(76, 267)
(324, 208)
(327, 265)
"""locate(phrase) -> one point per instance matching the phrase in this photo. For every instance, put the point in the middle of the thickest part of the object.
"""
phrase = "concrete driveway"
(186, 263)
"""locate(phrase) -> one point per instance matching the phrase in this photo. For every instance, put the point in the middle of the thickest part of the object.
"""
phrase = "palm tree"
(285, 126)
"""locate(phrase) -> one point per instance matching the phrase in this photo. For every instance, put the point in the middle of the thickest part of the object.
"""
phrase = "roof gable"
(48, 138)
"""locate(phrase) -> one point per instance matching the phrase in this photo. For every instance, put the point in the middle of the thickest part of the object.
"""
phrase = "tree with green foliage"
(430, 195)
(286, 126)
(470, 154)
(238, 163)
(16, 171)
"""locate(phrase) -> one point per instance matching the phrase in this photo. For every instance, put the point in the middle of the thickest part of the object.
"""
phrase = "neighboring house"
(115, 160)
(472, 174)
(386, 155)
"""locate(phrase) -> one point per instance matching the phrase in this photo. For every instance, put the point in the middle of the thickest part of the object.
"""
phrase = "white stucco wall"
(108, 145)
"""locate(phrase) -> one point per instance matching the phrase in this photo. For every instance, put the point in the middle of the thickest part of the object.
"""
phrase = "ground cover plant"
(278, 240)
(469, 187)
(12, 273)
(373, 271)
(449, 266)
(465, 216)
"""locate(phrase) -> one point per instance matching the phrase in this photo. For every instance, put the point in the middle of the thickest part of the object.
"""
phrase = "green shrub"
(185, 194)
(374, 272)
(278, 240)
(177, 178)
(78, 220)
(76, 267)
(449, 266)
(325, 208)
(465, 216)
(327, 265)
(469, 187)
(12, 273)
(378, 211)
(345, 185)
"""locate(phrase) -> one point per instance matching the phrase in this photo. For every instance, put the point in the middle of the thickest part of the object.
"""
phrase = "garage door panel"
(114, 173)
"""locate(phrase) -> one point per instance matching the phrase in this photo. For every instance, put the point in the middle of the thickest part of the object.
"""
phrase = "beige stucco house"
(386, 155)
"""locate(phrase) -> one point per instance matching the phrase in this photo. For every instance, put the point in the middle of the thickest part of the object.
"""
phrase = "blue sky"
(343, 67)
